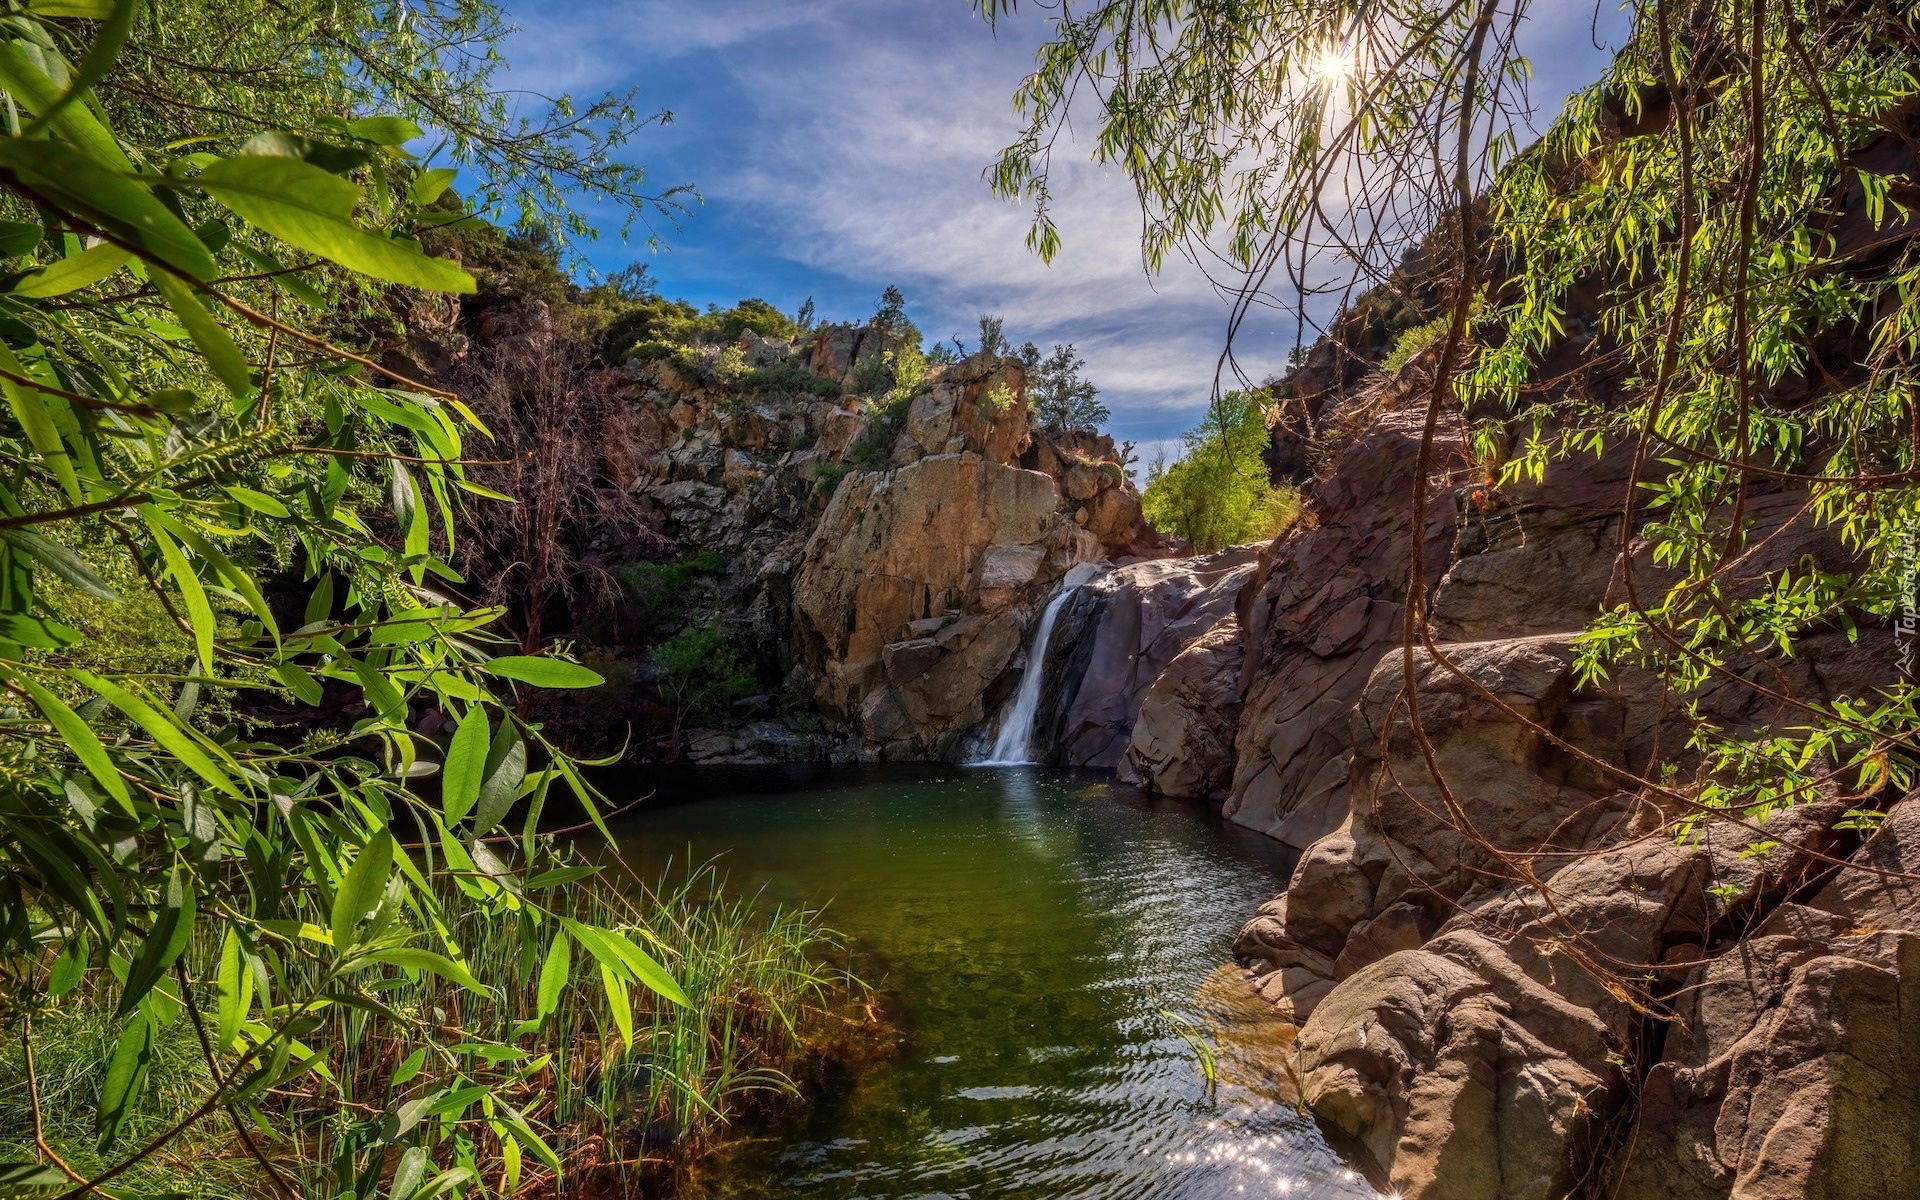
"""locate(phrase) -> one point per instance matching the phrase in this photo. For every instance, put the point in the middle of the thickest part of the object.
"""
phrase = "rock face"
(954, 544)
(913, 591)
(1463, 956)
(877, 557)
(1795, 1067)
(1118, 636)
(1182, 743)
(1453, 1026)
(1327, 607)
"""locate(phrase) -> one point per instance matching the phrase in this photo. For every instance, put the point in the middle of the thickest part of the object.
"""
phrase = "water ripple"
(1035, 928)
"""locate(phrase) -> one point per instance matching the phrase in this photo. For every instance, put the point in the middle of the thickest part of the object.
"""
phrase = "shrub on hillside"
(1219, 493)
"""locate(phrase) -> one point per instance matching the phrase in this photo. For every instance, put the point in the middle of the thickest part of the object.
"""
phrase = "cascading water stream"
(1015, 744)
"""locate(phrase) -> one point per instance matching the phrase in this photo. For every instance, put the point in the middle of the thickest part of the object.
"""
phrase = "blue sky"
(839, 147)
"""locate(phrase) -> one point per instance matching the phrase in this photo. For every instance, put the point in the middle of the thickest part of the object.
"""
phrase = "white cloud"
(851, 139)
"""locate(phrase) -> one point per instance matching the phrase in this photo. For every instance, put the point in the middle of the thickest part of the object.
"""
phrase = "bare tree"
(549, 409)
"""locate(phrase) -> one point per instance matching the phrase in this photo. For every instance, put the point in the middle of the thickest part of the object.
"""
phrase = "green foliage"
(827, 478)
(1061, 399)
(701, 674)
(1411, 342)
(1218, 494)
(890, 373)
(662, 590)
(224, 70)
(791, 379)
(890, 317)
(656, 327)
(1761, 345)
(993, 336)
(280, 514)
(886, 416)
(873, 374)
(752, 979)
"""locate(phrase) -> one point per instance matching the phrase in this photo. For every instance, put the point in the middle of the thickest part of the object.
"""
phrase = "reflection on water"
(1032, 925)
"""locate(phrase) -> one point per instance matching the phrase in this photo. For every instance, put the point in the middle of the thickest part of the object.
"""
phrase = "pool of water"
(1032, 930)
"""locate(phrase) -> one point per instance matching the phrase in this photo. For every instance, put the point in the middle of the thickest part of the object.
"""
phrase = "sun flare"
(1331, 65)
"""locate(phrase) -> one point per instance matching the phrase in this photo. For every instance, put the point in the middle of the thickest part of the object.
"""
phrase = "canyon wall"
(893, 552)
(1473, 926)
(1476, 924)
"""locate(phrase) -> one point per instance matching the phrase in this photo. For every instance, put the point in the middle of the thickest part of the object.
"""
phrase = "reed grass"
(760, 979)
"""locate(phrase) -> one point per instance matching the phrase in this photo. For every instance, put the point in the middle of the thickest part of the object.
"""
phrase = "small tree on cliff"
(890, 317)
(993, 336)
(1061, 397)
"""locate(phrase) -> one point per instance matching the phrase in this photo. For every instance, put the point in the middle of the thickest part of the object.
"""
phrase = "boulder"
(740, 470)
(1792, 1068)
(838, 350)
(1182, 741)
(1534, 557)
(1121, 632)
(975, 405)
(840, 430)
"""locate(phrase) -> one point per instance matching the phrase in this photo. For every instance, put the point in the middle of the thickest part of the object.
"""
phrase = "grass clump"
(1412, 341)
(625, 1099)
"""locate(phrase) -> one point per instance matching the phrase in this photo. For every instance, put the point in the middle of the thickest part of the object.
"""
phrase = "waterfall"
(1012, 747)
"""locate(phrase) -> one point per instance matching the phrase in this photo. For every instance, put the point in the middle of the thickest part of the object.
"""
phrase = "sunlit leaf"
(71, 180)
(84, 269)
(553, 975)
(384, 131)
(222, 354)
(306, 207)
(543, 672)
(79, 737)
(436, 964)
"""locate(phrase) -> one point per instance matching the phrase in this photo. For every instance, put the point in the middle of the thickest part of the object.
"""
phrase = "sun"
(1331, 65)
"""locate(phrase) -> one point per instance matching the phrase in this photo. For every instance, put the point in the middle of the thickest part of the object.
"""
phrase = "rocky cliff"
(893, 554)
(1474, 930)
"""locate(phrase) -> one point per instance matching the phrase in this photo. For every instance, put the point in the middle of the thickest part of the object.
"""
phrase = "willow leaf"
(192, 594)
(216, 344)
(79, 737)
(305, 206)
(163, 730)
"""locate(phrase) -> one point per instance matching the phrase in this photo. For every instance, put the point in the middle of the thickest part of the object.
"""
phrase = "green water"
(1027, 927)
